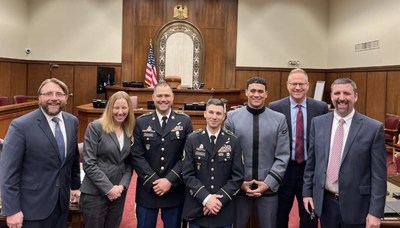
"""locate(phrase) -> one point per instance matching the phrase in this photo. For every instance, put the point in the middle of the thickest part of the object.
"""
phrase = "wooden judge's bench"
(180, 95)
(86, 114)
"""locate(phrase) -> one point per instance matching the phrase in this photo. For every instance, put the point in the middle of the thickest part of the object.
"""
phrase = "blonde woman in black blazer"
(107, 163)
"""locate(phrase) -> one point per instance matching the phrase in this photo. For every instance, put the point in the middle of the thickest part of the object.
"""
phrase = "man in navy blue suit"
(292, 185)
(345, 175)
(37, 172)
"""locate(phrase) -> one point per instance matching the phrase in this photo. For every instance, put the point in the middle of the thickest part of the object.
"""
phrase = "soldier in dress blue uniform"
(212, 169)
(156, 156)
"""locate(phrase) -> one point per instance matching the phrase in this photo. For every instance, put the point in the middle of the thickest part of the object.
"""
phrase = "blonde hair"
(107, 120)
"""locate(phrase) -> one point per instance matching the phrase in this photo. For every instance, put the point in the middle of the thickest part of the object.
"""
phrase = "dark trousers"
(196, 226)
(147, 217)
(100, 212)
(57, 218)
(291, 188)
(331, 217)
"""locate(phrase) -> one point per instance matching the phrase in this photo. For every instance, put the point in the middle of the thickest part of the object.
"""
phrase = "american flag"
(151, 73)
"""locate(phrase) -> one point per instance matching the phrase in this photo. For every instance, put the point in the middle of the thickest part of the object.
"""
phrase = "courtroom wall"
(270, 33)
(14, 28)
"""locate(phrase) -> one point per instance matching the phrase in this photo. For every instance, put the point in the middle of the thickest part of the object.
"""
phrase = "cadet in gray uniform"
(264, 138)
(212, 170)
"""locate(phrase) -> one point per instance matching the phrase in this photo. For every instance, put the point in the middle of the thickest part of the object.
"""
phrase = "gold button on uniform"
(162, 167)
(162, 158)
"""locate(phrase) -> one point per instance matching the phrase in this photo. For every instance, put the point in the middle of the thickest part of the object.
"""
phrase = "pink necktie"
(336, 151)
(299, 146)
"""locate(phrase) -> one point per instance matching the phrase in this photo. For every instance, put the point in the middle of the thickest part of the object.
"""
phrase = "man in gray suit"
(37, 170)
(264, 139)
(345, 175)
(298, 108)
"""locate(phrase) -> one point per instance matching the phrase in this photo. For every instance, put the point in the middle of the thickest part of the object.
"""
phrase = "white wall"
(272, 32)
(318, 33)
(13, 28)
(64, 30)
(359, 21)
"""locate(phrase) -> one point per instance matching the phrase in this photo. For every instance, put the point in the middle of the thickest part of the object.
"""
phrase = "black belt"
(332, 194)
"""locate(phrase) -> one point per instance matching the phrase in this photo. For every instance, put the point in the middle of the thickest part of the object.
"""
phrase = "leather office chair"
(134, 100)
(173, 81)
(20, 99)
(392, 125)
(4, 100)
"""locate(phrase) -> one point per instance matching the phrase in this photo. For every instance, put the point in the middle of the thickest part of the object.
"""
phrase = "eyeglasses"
(298, 84)
(51, 94)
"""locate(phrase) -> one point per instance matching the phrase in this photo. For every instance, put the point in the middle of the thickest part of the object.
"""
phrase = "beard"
(52, 111)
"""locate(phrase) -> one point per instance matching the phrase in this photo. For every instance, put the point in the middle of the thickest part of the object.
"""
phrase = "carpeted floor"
(129, 217)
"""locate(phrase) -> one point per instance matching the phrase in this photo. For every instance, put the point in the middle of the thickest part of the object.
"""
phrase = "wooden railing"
(12, 111)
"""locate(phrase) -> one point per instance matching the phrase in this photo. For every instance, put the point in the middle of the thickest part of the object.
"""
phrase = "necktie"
(164, 122)
(212, 137)
(59, 138)
(336, 151)
(299, 146)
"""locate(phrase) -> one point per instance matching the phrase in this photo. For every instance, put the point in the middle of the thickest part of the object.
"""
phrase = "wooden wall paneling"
(273, 84)
(393, 93)
(65, 73)
(118, 75)
(241, 81)
(37, 73)
(85, 83)
(5, 76)
(210, 14)
(127, 50)
(284, 90)
(313, 77)
(149, 13)
(330, 78)
(214, 64)
(230, 41)
(360, 78)
(376, 95)
(18, 79)
(141, 44)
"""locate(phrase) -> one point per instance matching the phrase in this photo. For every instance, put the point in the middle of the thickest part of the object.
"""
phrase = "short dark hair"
(257, 80)
(217, 102)
(345, 81)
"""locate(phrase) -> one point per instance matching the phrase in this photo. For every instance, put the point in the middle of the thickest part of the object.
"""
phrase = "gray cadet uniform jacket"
(266, 157)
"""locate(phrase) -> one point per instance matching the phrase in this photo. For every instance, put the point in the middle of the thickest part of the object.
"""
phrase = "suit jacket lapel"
(68, 129)
(355, 127)
(44, 125)
(327, 136)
